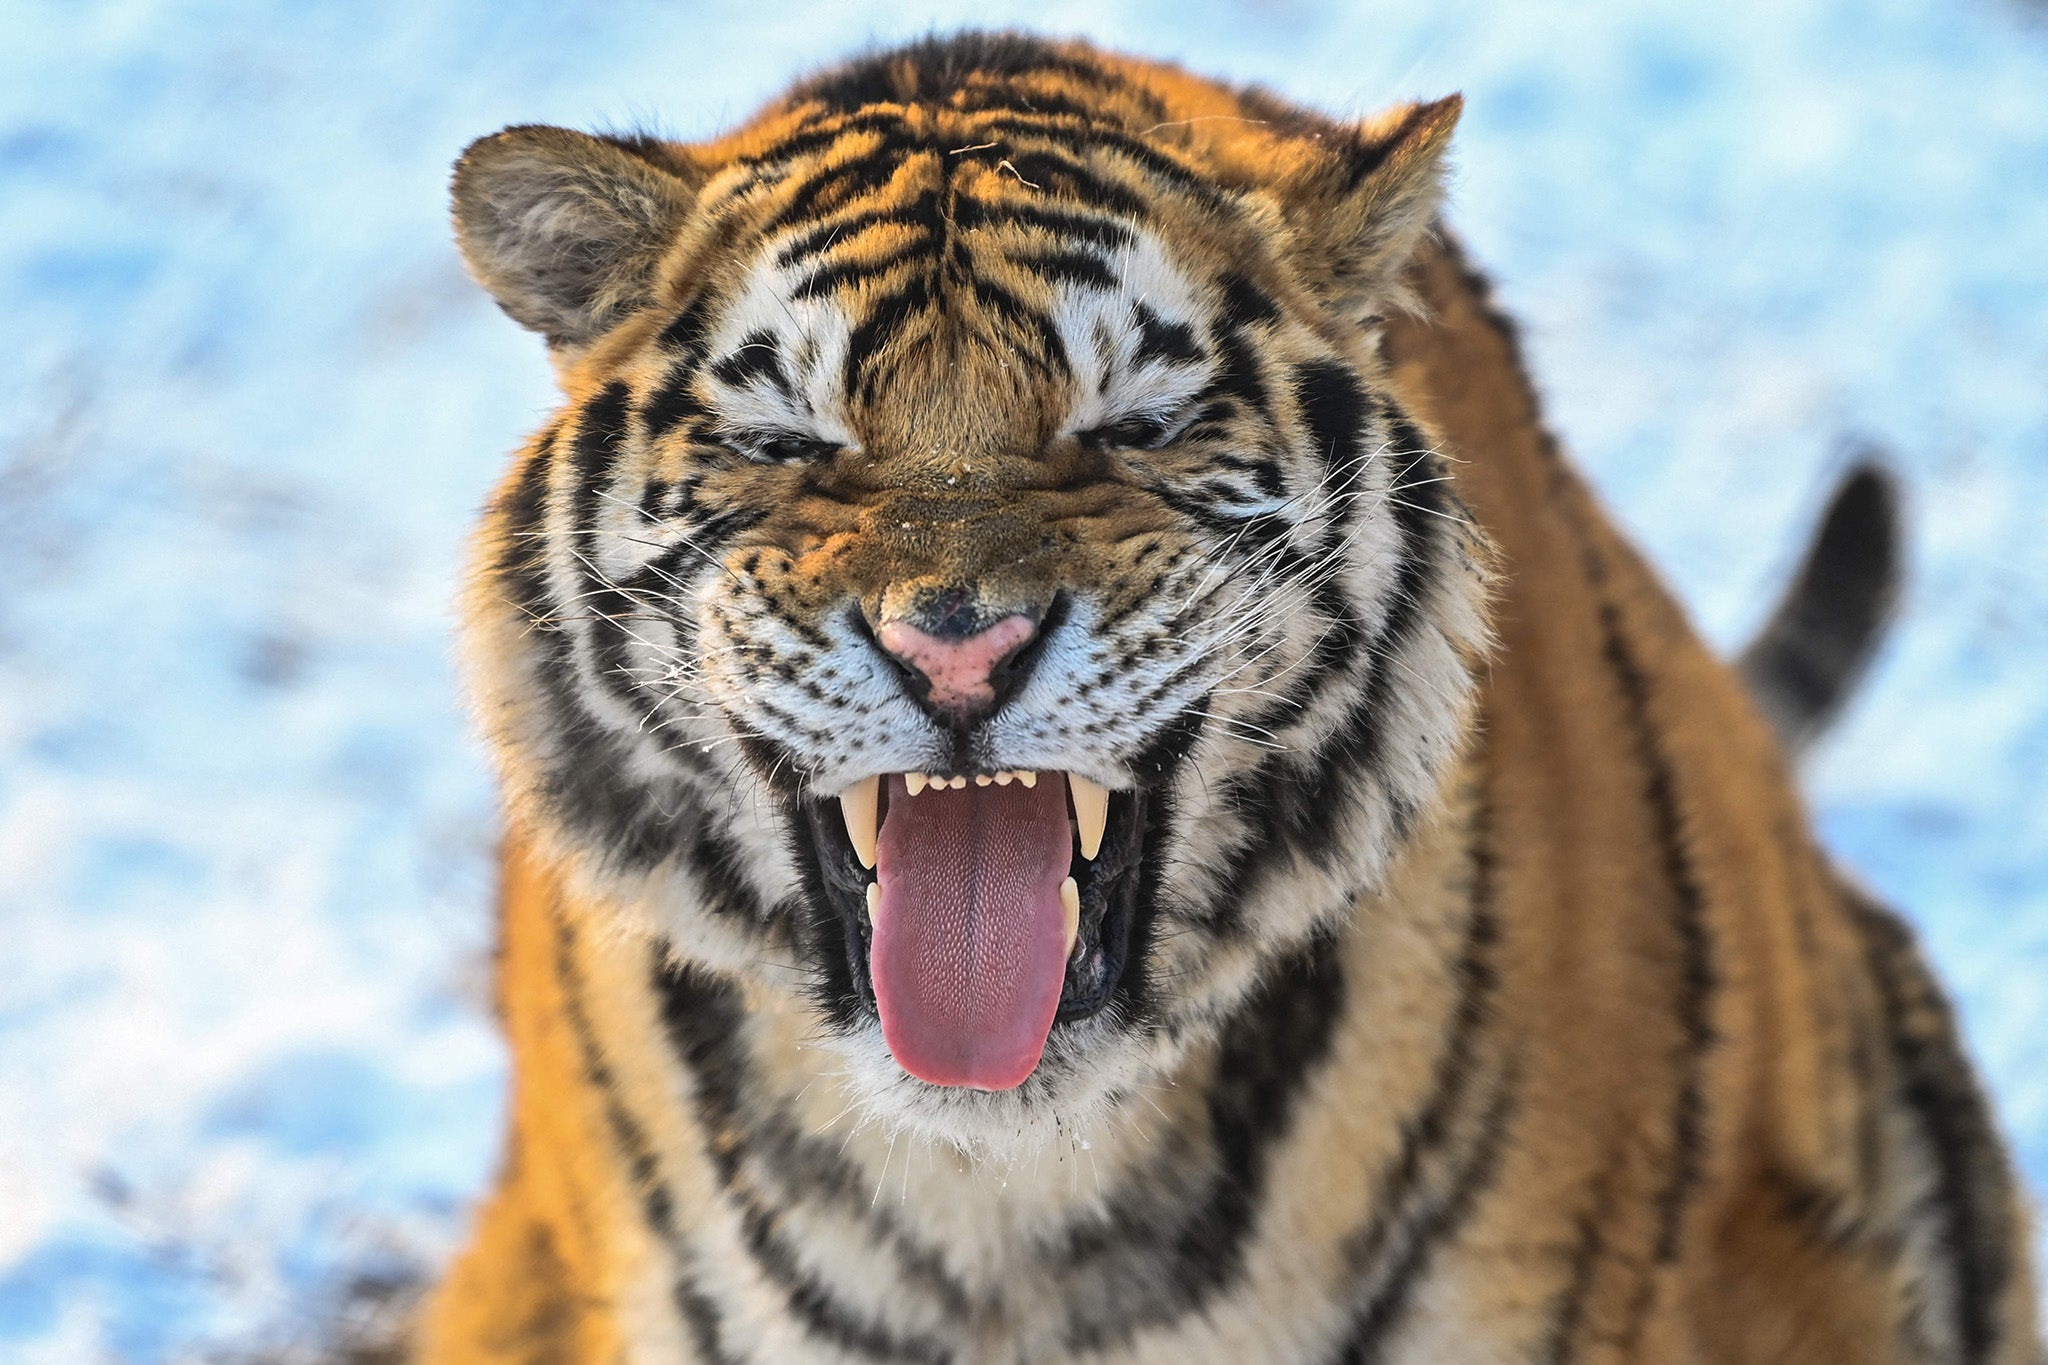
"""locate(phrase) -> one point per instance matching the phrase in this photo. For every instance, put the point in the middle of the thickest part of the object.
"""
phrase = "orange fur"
(1624, 1071)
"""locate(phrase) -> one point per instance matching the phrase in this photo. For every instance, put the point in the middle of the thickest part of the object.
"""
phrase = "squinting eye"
(781, 447)
(1136, 433)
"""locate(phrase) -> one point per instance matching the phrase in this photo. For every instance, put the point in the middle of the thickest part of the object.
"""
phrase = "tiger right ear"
(1366, 197)
(565, 230)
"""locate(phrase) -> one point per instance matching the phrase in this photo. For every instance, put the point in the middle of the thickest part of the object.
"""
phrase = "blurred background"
(249, 406)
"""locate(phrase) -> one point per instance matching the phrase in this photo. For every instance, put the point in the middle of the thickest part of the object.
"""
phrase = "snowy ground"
(249, 405)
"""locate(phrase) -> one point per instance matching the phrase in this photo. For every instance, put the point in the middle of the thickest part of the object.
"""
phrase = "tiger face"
(981, 590)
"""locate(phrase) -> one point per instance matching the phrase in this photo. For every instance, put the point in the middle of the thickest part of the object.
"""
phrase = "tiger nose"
(967, 676)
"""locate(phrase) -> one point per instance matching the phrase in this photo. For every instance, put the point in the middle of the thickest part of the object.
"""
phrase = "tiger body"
(1459, 981)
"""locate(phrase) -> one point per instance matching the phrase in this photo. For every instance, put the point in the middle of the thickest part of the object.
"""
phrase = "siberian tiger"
(1085, 783)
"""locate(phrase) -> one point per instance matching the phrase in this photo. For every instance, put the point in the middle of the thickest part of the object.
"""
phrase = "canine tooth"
(857, 806)
(1091, 812)
(914, 781)
(1028, 779)
(1070, 901)
(874, 899)
(982, 779)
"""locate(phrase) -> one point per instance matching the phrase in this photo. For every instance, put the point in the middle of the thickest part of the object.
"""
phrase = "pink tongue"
(970, 940)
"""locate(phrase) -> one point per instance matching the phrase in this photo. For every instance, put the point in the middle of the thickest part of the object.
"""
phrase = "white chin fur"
(1089, 1073)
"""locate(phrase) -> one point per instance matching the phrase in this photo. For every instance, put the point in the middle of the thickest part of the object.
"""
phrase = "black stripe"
(885, 316)
(1697, 979)
(939, 71)
(1568, 1308)
(1480, 289)
(704, 1019)
(814, 1307)
(687, 333)
(1161, 340)
(970, 214)
(1451, 1144)
(1436, 1219)
(843, 182)
(758, 356)
(1367, 157)
(1244, 303)
(1238, 376)
(701, 1316)
(859, 270)
(600, 433)
(643, 1166)
(657, 1204)
(1051, 170)
(674, 402)
(1974, 1189)
(993, 297)
(814, 137)
(1164, 1249)
(1080, 139)
(582, 783)
(522, 559)
(921, 212)
(1301, 808)
(1042, 101)
(590, 781)
(1333, 408)
(1070, 266)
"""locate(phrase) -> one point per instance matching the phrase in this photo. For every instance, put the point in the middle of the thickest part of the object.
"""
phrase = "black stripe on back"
(1973, 1194)
(1697, 977)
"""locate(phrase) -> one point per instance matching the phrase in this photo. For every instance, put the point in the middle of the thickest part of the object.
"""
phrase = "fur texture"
(1465, 986)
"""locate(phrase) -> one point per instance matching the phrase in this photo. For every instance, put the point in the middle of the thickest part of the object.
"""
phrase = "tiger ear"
(1362, 211)
(566, 230)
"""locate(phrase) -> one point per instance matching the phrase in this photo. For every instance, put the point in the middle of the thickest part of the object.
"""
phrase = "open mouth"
(979, 910)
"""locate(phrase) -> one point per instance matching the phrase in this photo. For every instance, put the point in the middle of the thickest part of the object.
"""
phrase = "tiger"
(1084, 781)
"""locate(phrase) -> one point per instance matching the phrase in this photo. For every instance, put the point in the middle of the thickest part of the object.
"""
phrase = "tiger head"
(980, 589)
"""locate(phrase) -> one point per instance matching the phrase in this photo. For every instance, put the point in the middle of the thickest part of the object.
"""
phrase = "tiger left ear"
(1363, 206)
(567, 231)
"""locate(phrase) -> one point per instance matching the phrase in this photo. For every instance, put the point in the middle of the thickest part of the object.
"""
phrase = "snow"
(251, 404)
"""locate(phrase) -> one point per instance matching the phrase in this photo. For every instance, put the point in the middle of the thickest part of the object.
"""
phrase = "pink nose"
(960, 674)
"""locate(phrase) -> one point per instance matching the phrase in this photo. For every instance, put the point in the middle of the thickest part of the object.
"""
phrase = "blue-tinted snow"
(249, 404)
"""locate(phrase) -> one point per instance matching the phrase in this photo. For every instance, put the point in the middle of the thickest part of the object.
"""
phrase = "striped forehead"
(1127, 321)
(777, 356)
